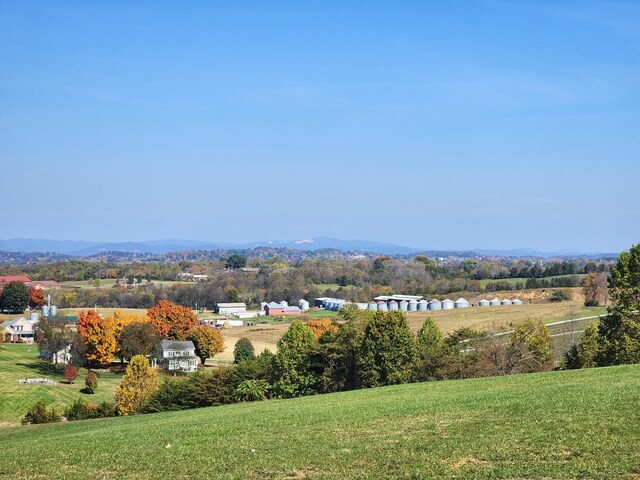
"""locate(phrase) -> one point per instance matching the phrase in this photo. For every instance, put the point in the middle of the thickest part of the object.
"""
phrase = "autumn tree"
(70, 373)
(208, 342)
(36, 297)
(387, 352)
(171, 321)
(619, 330)
(582, 354)
(321, 326)
(595, 290)
(15, 297)
(293, 360)
(120, 321)
(137, 385)
(243, 350)
(98, 336)
(138, 339)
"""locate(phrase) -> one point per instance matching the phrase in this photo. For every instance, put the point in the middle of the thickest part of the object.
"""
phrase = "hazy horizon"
(483, 125)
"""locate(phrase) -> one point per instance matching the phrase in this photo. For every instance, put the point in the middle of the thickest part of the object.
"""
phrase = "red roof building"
(14, 278)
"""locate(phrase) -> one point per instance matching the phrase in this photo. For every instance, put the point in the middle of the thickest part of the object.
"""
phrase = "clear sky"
(431, 124)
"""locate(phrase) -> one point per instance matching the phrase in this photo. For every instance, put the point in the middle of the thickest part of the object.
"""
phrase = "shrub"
(243, 350)
(81, 410)
(38, 413)
(561, 295)
(91, 383)
(252, 390)
(70, 373)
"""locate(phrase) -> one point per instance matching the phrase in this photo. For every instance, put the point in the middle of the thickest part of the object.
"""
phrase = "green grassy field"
(574, 424)
(21, 361)
(515, 281)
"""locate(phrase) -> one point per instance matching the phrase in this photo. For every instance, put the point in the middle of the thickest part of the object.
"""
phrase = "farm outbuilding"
(447, 304)
(495, 302)
(227, 308)
(516, 301)
(484, 303)
(403, 305)
(383, 307)
(393, 305)
(435, 305)
(423, 305)
(303, 304)
(412, 306)
(461, 303)
(506, 301)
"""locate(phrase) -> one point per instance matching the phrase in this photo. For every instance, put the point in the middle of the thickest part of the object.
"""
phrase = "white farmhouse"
(177, 356)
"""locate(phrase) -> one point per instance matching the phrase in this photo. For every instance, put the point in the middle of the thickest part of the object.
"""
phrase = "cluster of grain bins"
(496, 302)
(413, 303)
(329, 303)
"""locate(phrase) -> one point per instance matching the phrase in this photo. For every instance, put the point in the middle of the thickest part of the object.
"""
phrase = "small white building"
(177, 356)
(61, 357)
(230, 308)
(18, 330)
(229, 323)
(303, 304)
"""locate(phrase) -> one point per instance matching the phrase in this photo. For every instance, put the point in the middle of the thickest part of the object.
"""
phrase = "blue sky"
(428, 124)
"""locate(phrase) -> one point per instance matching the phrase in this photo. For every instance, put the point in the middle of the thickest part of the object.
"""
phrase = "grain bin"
(393, 305)
(435, 305)
(495, 302)
(383, 307)
(33, 316)
(45, 310)
(483, 303)
(516, 301)
(423, 305)
(284, 303)
(372, 306)
(461, 303)
(506, 301)
(53, 310)
(303, 304)
(413, 306)
(447, 304)
(403, 305)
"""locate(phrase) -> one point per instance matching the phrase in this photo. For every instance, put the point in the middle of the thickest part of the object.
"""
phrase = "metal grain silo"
(461, 303)
(447, 304)
(33, 316)
(483, 303)
(393, 305)
(45, 310)
(435, 305)
(423, 305)
(516, 301)
(303, 304)
(383, 307)
(413, 306)
(284, 303)
(53, 310)
(506, 301)
(372, 306)
(494, 302)
(403, 305)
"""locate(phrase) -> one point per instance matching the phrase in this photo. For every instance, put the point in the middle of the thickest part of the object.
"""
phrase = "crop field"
(110, 282)
(21, 361)
(571, 424)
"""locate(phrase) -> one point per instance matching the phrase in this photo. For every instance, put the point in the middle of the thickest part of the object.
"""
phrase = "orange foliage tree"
(121, 320)
(321, 326)
(36, 297)
(171, 321)
(208, 342)
(98, 336)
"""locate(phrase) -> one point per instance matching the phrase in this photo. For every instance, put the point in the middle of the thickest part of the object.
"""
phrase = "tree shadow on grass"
(41, 368)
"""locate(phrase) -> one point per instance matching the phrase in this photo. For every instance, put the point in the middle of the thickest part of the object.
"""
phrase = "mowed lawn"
(573, 424)
(21, 361)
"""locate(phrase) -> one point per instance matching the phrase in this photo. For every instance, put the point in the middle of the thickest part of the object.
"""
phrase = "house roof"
(291, 309)
(275, 305)
(177, 345)
(11, 323)
(14, 278)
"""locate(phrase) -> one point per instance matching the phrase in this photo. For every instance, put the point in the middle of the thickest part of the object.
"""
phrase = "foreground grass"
(579, 424)
(21, 361)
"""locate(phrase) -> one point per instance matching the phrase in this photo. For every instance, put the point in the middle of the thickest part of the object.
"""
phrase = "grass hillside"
(552, 425)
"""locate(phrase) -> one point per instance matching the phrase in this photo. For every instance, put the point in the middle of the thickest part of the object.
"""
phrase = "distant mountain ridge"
(81, 248)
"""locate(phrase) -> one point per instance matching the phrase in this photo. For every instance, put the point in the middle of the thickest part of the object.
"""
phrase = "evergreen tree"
(387, 352)
(292, 362)
(582, 354)
(15, 297)
(243, 350)
(431, 351)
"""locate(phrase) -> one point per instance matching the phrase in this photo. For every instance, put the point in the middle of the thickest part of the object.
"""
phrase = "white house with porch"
(18, 330)
(177, 356)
